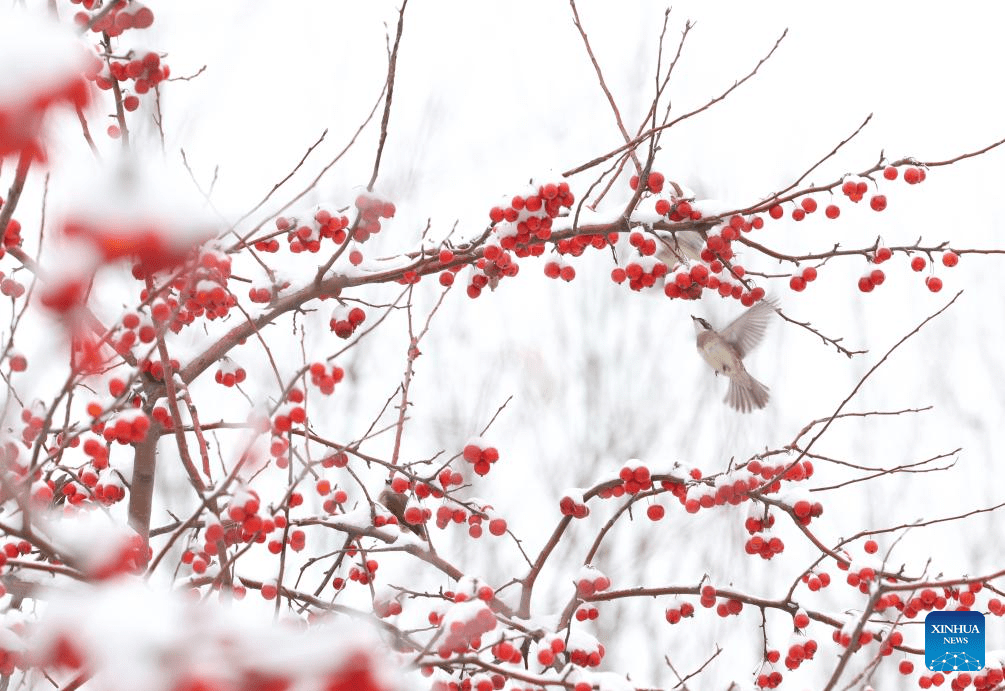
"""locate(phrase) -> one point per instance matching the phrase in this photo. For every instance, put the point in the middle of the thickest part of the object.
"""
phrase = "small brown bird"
(681, 247)
(396, 504)
(724, 351)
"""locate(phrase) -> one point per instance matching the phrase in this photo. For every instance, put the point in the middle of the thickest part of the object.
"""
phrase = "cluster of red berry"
(679, 610)
(480, 456)
(125, 14)
(229, 373)
(326, 379)
(22, 116)
(519, 230)
(345, 319)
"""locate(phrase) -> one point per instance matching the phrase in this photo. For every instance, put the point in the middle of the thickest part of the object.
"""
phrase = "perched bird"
(724, 351)
(680, 248)
(396, 504)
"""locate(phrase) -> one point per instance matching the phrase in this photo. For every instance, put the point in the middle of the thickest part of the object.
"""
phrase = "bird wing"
(747, 330)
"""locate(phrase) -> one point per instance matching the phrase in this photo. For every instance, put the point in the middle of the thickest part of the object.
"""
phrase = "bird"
(680, 248)
(396, 504)
(724, 351)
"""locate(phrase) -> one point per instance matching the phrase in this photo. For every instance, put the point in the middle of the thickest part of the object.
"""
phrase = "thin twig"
(603, 83)
(638, 140)
(275, 187)
(392, 65)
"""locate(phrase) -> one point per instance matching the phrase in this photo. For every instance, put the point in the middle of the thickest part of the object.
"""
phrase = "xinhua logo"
(954, 641)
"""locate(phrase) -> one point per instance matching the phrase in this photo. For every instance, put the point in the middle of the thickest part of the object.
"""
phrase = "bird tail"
(746, 393)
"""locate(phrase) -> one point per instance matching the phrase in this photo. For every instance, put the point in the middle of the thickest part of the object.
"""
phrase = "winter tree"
(351, 347)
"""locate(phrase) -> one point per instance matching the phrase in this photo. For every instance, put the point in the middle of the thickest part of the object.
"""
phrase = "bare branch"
(392, 65)
(641, 138)
(603, 82)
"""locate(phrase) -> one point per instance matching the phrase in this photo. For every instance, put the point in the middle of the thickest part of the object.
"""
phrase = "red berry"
(776, 211)
(143, 18)
(882, 254)
(878, 202)
(809, 204)
(871, 547)
(890, 173)
(950, 259)
(877, 277)
(797, 283)
(865, 285)
(832, 211)
(918, 263)
(809, 274)
(934, 283)
(906, 667)
(655, 512)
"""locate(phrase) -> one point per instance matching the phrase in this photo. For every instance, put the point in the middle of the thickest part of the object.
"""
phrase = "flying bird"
(724, 351)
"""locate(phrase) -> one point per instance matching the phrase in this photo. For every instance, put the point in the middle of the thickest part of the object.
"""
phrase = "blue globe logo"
(955, 662)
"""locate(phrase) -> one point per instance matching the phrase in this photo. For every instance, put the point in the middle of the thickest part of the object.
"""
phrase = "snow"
(576, 494)
(715, 207)
(646, 215)
(89, 540)
(144, 638)
(581, 640)
(609, 681)
(589, 573)
(35, 52)
(132, 198)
